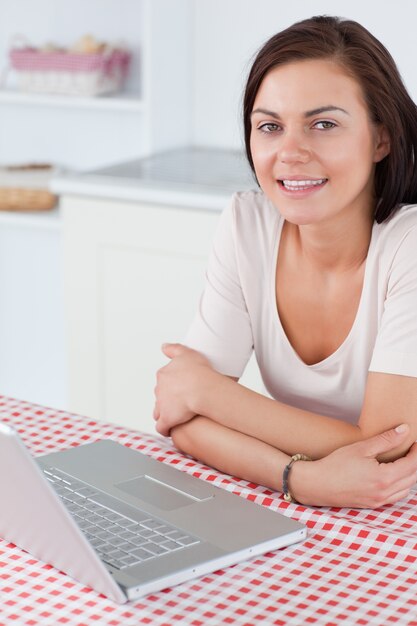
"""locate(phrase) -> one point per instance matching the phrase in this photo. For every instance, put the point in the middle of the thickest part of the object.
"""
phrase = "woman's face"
(313, 144)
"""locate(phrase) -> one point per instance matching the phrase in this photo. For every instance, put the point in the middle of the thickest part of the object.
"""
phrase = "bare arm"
(350, 476)
(231, 452)
(188, 386)
(389, 401)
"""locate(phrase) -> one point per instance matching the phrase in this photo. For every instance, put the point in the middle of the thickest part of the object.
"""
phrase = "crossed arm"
(243, 433)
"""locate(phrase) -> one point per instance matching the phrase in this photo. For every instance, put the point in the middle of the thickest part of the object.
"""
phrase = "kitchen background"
(89, 290)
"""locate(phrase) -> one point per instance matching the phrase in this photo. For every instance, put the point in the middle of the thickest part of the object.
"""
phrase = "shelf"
(122, 102)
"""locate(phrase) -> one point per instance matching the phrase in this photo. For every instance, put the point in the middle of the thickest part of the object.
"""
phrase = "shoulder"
(247, 230)
(396, 243)
(252, 202)
(400, 223)
(251, 211)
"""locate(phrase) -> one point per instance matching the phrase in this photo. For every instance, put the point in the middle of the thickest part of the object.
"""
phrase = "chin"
(299, 218)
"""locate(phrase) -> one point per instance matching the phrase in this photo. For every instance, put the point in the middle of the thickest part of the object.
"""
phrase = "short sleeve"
(221, 329)
(395, 350)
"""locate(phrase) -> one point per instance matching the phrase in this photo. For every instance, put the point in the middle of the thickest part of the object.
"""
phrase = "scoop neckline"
(347, 340)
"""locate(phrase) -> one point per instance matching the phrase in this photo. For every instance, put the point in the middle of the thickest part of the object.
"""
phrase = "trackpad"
(156, 492)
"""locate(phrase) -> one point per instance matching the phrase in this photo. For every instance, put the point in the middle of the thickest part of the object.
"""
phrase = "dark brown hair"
(369, 62)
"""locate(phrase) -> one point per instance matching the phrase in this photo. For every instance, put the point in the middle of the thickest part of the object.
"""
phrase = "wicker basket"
(70, 73)
(25, 188)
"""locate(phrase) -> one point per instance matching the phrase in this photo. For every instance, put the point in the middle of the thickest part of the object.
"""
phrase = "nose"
(293, 148)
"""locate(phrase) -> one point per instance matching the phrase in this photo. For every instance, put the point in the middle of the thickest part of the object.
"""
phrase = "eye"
(268, 128)
(324, 125)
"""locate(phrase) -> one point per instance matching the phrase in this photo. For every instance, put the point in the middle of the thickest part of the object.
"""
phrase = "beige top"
(238, 311)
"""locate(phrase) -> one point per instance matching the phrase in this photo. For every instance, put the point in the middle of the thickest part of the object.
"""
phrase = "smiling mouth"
(302, 185)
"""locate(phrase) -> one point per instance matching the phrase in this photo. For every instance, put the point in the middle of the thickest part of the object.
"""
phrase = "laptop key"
(97, 543)
(147, 533)
(103, 534)
(59, 488)
(113, 562)
(130, 560)
(83, 524)
(105, 548)
(154, 549)
(171, 545)
(151, 524)
(86, 492)
(65, 481)
(138, 541)
(76, 498)
(93, 507)
(106, 525)
(92, 517)
(72, 483)
(158, 539)
(67, 497)
(174, 535)
(116, 554)
(73, 508)
(61, 475)
(112, 517)
(126, 534)
(141, 554)
(127, 523)
(88, 528)
(126, 547)
(188, 541)
(117, 541)
(164, 529)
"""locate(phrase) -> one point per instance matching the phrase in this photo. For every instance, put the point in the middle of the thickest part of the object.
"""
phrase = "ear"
(382, 143)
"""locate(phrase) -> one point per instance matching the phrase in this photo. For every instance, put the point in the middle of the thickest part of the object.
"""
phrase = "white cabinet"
(32, 353)
(133, 276)
(78, 133)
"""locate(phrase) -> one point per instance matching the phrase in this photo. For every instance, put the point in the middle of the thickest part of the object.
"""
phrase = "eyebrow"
(324, 109)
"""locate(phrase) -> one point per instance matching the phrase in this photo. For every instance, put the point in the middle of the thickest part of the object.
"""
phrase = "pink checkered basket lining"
(30, 59)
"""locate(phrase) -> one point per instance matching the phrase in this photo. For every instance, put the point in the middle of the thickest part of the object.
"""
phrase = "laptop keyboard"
(119, 541)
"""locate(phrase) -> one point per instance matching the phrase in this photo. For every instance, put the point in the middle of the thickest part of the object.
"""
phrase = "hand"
(352, 476)
(178, 385)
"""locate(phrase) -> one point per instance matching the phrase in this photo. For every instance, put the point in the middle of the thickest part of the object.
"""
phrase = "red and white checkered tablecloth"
(356, 566)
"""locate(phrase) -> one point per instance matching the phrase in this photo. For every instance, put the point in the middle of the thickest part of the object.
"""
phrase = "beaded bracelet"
(296, 457)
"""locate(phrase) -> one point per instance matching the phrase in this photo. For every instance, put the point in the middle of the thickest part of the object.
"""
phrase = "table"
(356, 566)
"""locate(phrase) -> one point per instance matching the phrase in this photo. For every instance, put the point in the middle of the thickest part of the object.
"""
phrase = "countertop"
(204, 178)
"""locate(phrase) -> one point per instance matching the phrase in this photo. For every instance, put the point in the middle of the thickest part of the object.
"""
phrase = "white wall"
(224, 34)
(228, 32)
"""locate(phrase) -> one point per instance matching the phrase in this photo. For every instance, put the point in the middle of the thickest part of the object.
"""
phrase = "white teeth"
(302, 184)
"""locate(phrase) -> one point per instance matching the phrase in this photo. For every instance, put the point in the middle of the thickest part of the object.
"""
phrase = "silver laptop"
(125, 524)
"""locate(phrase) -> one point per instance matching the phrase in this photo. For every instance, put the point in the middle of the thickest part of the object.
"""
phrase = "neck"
(334, 248)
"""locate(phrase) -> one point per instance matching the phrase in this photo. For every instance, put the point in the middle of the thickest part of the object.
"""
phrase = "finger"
(161, 428)
(399, 495)
(173, 349)
(395, 491)
(408, 463)
(386, 441)
(156, 413)
(404, 483)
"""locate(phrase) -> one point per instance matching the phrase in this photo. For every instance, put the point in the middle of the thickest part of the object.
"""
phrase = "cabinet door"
(133, 277)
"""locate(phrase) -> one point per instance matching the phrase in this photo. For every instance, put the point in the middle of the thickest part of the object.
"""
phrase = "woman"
(317, 272)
